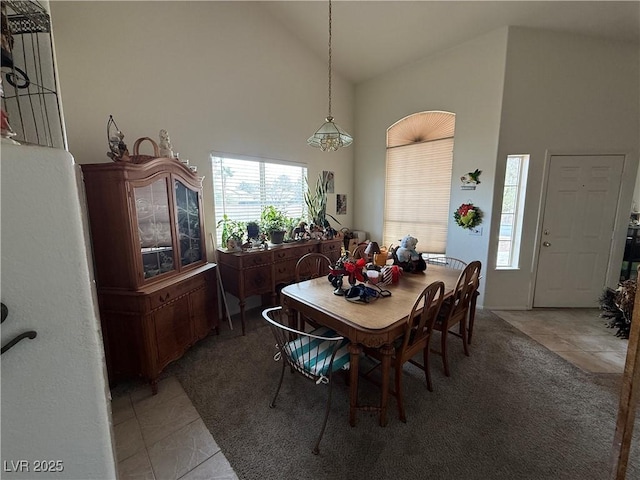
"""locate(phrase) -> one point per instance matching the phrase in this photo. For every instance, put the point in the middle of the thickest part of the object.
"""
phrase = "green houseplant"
(316, 202)
(274, 223)
(233, 230)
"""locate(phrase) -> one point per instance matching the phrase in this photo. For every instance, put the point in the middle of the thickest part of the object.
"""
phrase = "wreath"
(468, 216)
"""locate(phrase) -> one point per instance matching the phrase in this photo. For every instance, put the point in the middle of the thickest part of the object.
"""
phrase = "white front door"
(577, 229)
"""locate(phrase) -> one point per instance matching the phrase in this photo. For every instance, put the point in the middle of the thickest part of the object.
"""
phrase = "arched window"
(418, 179)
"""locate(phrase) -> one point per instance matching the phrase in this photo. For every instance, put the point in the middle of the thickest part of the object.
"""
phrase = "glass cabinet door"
(154, 228)
(188, 220)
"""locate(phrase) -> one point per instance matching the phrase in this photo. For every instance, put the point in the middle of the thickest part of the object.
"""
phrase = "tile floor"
(162, 437)
(579, 335)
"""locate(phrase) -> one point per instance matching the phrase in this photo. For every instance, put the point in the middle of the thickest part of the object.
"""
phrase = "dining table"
(375, 324)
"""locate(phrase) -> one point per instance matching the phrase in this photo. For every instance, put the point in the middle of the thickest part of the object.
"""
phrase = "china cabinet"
(156, 291)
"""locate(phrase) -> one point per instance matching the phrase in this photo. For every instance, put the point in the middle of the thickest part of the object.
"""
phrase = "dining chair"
(416, 337)
(316, 355)
(358, 252)
(456, 263)
(456, 311)
(449, 262)
(312, 265)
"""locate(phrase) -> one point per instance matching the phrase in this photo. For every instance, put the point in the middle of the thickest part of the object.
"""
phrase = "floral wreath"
(468, 216)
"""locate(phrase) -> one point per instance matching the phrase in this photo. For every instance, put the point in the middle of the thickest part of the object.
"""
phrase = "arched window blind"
(418, 180)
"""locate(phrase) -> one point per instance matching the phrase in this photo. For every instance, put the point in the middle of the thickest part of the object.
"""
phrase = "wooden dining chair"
(448, 262)
(315, 355)
(456, 310)
(312, 265)
(358, 252)
(457, 264)
(416, 338)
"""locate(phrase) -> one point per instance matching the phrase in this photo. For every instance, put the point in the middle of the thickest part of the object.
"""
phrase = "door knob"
(546, 244)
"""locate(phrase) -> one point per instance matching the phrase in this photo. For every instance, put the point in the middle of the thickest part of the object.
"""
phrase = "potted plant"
(232, 232)
(316, 202)
(274, 223)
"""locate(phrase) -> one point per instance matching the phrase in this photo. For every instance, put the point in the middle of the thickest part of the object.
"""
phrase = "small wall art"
(470, 180)
(341, 204)
(327, 178)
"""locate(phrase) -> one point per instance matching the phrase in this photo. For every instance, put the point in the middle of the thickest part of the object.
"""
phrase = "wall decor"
(468, 215)
(328, 179)
(470, 180)
(341, 204)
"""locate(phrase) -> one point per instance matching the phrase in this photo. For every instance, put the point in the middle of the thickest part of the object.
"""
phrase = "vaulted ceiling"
(372, 37)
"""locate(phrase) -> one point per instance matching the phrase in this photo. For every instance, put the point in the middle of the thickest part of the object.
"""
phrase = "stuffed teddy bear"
(406, 252)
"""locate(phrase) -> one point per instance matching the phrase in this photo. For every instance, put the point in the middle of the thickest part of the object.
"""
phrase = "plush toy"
(406, 252)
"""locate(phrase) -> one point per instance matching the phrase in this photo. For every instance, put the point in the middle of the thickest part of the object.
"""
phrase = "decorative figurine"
(117, 148)
(166, 150)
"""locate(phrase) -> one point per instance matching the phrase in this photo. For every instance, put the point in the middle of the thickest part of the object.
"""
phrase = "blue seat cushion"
(313, 355)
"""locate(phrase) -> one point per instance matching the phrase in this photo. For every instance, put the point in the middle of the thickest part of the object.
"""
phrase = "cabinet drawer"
(301, 251)
(160, 297)
(257, 280)
(331, 250)
(257, 259)
(285, 254)
(285, 272)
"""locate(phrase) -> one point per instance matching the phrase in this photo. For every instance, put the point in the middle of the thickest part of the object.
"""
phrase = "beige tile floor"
(162, 437)
(579, 335)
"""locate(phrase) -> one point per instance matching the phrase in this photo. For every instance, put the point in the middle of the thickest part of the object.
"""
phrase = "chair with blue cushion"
(315, 355)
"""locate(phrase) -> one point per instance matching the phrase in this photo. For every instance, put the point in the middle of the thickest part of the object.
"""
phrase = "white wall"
(221, 76)
(467, 81)
(55, 399)
(563, 94)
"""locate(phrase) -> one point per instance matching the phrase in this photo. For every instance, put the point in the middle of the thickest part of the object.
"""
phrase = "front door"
(577, 229)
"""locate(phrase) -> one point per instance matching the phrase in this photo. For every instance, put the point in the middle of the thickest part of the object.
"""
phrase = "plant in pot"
(316, 202)
(232, 232)
(274, 223)
(290, 227)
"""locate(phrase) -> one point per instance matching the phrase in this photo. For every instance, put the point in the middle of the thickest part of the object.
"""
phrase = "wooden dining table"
(376, 324)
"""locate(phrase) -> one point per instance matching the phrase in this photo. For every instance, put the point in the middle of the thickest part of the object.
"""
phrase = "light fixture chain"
(329, 58)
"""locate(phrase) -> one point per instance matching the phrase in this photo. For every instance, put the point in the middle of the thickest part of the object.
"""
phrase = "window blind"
(242, 187)
(418, 185)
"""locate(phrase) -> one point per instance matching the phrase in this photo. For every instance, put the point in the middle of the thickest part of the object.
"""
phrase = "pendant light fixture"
(330, 137)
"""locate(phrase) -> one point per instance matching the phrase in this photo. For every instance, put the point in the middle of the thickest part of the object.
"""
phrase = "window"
(418, 180)
(242, 186)
(515, 182)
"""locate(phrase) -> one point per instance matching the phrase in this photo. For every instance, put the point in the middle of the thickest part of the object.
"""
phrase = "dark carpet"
(512, 410)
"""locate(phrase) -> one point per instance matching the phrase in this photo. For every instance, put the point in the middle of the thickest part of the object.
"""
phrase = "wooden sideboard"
(260, 272)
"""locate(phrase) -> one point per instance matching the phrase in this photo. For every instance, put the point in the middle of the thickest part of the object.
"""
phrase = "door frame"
(621, 222)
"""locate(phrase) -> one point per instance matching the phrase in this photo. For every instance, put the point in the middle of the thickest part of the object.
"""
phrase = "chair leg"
(463, 335)
(273, 402)
(443, 351)
(472, 316)
(427, 371)
(399, 396)
(316, 448)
